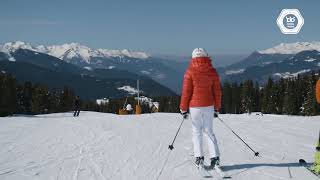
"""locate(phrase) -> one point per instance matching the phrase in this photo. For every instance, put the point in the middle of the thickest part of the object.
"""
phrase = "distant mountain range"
(140, 63)
(282, 61)
(90, 83)
(121, 68)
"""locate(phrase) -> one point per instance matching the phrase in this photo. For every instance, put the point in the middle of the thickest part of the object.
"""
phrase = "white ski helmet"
(199, 52)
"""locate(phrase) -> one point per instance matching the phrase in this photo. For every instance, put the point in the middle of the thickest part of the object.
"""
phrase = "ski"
(303, 163)
(203, 171)
(219, 171)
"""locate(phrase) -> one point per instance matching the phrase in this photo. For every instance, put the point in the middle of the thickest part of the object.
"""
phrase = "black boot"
(215, 162)
(199, 161)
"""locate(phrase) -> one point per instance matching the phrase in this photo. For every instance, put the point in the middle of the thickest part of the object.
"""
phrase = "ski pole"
(174, 139)
(255, 153)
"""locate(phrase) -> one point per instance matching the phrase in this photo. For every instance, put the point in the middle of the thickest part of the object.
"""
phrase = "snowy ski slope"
(105, 146)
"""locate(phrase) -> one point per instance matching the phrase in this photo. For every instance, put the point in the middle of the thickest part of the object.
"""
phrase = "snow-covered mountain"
(292, 48)
(282, 61)
(89, 83)
(72, 50)
(82, 56)
(273, 62)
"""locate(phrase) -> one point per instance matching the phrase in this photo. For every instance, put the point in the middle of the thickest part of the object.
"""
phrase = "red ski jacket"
(318, 91)
(201, 85)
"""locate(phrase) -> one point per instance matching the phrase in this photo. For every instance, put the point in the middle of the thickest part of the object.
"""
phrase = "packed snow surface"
(292, 48)
(107, 146)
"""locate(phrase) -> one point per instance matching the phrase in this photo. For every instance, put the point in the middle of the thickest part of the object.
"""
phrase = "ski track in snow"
(102, 146)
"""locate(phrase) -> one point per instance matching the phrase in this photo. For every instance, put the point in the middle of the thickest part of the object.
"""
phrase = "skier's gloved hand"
(216, 114)
(184, 114)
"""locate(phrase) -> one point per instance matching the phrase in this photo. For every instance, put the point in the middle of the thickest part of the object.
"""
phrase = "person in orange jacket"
(318, 91)
(201, 96)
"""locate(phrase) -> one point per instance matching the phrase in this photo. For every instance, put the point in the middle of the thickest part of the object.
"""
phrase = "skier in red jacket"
(201, 95)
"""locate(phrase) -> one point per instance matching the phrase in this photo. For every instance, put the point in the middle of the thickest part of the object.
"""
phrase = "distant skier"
(201, 95)
(76, 106)
(129, 109)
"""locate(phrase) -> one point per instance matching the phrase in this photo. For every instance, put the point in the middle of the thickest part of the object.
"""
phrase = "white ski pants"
(202, 118)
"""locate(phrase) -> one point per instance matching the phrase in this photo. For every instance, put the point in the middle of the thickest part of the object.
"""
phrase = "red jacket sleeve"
(216, 89)
(187, 90)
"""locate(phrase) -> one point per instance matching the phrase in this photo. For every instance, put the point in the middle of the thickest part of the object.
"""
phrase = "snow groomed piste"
(107, 146)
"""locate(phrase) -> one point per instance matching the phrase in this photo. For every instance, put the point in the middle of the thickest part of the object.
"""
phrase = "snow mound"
(129, 89)
(310, 60)
(292, 48)
(102, 101)
(111, 67)
(145, 72)
(238, 71)
(88, 68)
(12, 59)
(290, 75)
(107, 146)
(148, 101)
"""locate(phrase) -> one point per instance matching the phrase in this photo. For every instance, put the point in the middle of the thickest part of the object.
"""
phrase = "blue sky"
(162, 26)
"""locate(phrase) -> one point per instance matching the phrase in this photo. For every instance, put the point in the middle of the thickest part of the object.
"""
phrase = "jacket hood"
(201, 64)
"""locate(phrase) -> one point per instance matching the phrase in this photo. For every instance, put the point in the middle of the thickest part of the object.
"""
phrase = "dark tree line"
(28, 98)
(31, 98)
(293, 96)
(167, 104)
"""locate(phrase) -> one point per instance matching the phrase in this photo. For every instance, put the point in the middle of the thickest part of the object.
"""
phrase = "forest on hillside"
(292, 96)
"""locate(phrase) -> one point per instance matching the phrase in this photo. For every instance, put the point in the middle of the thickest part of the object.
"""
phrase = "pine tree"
(290, 99)
(276, 98)
(53, 101)
(8, 95)
(11, 95)
(257, 101)
(27, 98)
(66, 99)
(227, 104)
(236, 98)
(267, 94)
(247, 97)
(309, 106)
(40, 99)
